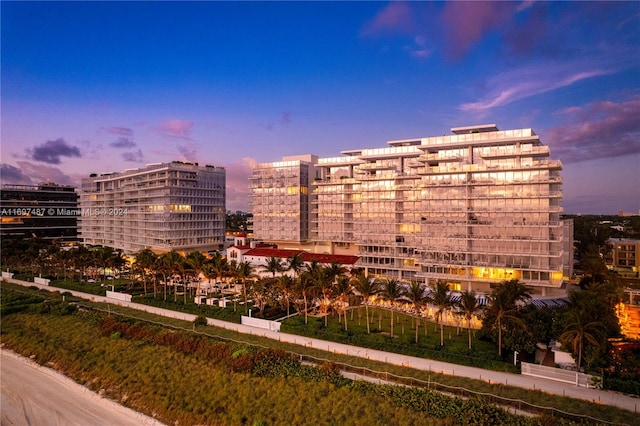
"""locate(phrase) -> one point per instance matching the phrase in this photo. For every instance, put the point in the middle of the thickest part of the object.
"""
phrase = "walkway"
(494, 377)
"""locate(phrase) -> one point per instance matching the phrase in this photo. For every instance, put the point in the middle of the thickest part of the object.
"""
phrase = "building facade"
(473, 208)
(48, 211)
(281, 199)
(624, 257)
(163, 207)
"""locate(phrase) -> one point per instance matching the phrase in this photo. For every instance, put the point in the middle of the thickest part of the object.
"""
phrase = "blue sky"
(89, 87)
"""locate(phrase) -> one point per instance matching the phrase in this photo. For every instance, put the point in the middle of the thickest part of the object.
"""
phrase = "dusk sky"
(90, 87)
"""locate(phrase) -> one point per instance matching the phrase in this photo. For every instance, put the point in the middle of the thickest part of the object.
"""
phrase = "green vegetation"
(185, 379)
(456, 341)
(245, 342)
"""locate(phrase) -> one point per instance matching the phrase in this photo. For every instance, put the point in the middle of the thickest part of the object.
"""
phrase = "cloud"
(189, 151)
(419, 48)
(37, 173)
(175, 128)
(51, 151)
(523, 83)
(285, 118)
(238, 192)
(14, 175)
(601, 129)
(114, 130)
(396, 17)
(133, 156)
(123, 142)
(466, 23)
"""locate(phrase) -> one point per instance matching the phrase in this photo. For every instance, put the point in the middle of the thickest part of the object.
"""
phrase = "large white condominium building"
(474, 208)
(166, 206)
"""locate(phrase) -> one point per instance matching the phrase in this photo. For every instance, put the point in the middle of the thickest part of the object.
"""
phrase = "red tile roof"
(330, 258)
(306, 256)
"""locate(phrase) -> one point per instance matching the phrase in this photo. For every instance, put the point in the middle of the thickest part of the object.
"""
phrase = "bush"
(200, 320)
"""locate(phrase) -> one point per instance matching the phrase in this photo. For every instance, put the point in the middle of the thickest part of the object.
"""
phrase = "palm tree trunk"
(469, 330)
(366, 309)
(305, 308)
(417, 326)
(441, 334)
(391, 322)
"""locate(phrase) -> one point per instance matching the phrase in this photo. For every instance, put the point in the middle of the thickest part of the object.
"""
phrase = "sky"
(91, 87)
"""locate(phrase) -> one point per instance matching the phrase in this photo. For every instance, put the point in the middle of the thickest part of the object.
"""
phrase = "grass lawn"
(456, 347)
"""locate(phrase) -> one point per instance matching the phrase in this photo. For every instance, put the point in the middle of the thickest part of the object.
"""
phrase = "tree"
(580, 328)
(305, 288)
(197, 262)
(468, 305)
(295, 264)
(366, 287)
(442, 299)
(174, 265)
(503, 307)
(274, 265)
(323, 284)
(145, 261)
(285, 288)
(343, 289)
(392, 290)
(243, 271)
(416, 294)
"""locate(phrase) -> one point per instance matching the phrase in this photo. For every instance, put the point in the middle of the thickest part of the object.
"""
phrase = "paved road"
(35, 395)
(558, 388)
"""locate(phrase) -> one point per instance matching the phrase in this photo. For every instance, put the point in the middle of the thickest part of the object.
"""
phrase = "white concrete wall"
(261, 323)
(120, 296)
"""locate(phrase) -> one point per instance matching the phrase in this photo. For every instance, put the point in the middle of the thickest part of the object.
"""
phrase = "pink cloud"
(465, 23)
(39, 173)
(397, 17)
(602, 129)
(175, 128)
(238, 192)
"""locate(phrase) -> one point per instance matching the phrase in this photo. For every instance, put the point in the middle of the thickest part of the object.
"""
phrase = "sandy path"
(36, 395)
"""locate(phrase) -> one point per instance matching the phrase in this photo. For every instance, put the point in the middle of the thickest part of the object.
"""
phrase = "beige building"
(625, 256)
(473, 208)
(165, 206)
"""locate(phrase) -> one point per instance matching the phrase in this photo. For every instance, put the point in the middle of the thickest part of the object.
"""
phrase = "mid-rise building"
(163, 207)
(281, 198)
(624, 257)
(48, 211)
(473, 208)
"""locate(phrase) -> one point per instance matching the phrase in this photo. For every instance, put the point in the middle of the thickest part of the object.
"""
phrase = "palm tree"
(334, 270)
(219, 265)
(145, 260)
(174, 263)
(322, 283)
(197, 261)
(343, 289)
(366, 287)
(503, 306)
(306, 289)
(392, 290)
(578, 328)
(469, 305)
(243, 271)
(295, 264)
(442, 300)
(416, 295)
(274, 265)
(285, 288)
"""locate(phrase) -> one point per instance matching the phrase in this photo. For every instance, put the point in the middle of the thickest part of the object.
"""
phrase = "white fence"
(42, 281)
(560, 375)
(119, 296)
(261, 323)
